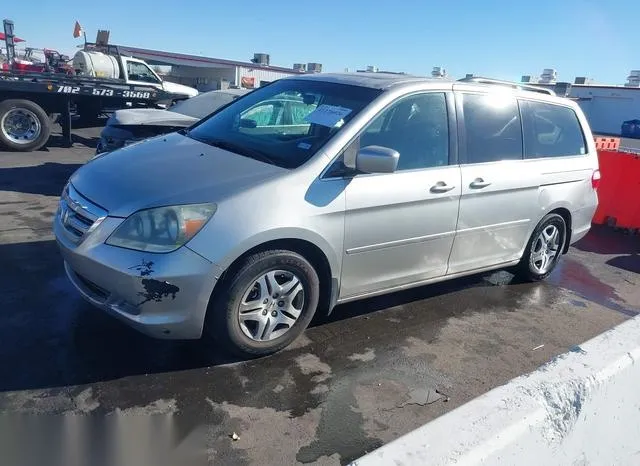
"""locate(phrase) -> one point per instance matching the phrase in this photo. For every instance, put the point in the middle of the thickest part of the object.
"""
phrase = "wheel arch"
(315, 250)
(565, 213)
(50, 103)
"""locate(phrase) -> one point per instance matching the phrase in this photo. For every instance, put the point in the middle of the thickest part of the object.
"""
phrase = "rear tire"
(24, 125)
(265, 304)
(544, 249)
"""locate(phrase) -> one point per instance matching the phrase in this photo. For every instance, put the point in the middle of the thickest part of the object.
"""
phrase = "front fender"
(282, 234)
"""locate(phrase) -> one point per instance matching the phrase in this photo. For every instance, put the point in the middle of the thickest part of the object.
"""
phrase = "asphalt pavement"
(372, 371)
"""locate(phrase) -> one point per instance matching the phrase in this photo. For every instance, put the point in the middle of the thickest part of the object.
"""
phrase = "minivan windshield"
(285, 122)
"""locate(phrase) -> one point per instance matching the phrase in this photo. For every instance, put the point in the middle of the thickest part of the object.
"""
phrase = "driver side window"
(140, 72)
(417, 127)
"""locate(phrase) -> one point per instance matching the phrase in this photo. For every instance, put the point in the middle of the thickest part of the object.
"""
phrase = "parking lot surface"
(370, 372)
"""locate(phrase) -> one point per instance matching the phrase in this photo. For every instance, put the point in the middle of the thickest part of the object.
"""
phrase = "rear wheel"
(544, 248)
(265, 305)
(24, 125)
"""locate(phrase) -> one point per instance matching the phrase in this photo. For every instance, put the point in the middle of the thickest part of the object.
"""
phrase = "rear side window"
(493, 128)
(551, 131)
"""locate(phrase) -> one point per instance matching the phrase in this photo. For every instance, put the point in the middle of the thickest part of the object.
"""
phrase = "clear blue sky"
(497, 38)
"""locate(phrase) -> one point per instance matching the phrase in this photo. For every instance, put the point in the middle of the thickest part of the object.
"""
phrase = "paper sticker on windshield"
(328, 115)
(304, 145)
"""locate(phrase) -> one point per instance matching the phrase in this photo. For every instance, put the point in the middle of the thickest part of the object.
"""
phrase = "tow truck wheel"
(24, 125)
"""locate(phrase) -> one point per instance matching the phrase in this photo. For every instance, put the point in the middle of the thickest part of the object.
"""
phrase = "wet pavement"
(374, 370)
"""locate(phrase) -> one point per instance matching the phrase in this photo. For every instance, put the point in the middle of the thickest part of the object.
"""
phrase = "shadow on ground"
(628, 263)
(46, 179)
(58, 141)
(50, 337)
(605, 240)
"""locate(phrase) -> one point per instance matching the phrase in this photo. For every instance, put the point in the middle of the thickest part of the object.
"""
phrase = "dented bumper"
(161, 295)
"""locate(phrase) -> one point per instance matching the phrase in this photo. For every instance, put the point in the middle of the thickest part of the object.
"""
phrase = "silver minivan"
(321, 189)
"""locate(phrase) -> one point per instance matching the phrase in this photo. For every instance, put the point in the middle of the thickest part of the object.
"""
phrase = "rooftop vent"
(633, 80)
(562, 89)
(438, 72)
(525, 78)
(260, 59)
(314, 67)
(372, 69)
(548, 76)
(300, 67)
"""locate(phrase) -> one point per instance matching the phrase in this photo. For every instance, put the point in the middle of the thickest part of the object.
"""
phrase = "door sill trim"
(427, 281)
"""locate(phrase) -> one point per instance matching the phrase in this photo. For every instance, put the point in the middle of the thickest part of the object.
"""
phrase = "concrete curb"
(583, 407)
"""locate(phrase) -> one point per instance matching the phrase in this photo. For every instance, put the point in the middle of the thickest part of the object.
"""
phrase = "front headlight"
(163, 229)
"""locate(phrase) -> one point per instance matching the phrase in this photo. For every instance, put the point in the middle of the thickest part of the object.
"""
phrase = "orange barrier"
(619, 190)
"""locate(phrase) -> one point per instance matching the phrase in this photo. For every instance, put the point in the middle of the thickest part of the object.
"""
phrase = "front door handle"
(441, 187)
(479, 183)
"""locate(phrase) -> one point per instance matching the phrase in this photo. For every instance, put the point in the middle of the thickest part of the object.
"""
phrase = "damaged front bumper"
(161, 295)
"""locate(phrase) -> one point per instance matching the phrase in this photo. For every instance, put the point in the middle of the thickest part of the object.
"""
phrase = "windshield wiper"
(238, 149)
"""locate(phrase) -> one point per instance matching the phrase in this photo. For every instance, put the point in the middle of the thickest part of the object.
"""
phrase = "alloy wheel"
(545, 249)
(271, 305)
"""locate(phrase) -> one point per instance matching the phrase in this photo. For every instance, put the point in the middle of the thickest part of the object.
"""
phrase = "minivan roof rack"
(514, 85)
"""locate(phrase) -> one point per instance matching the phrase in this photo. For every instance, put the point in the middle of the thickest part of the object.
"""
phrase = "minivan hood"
(150, 117)
(167, 170)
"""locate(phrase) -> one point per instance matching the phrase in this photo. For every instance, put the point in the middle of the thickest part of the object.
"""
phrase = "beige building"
(205, 73)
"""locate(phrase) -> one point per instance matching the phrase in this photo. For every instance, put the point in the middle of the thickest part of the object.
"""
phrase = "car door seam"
(399, 242)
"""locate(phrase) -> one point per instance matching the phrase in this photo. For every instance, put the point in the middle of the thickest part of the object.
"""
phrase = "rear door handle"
(441, 187)
(479, 183)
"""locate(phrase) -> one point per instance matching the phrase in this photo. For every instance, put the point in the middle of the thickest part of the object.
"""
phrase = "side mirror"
(377, 159)
(247, 123)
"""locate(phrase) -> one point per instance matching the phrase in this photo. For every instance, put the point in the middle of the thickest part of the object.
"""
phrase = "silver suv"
(320, 189)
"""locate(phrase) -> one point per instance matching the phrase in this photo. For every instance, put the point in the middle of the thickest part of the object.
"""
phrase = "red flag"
(77, 30)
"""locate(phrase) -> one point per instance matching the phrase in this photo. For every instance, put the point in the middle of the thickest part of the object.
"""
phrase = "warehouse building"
(607, 107)
(205, 73)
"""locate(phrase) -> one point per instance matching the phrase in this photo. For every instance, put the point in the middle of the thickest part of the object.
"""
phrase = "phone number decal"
(104, 92)
(136, 94)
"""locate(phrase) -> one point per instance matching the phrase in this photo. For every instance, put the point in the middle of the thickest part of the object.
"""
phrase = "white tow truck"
(107, 63)
(101, 80)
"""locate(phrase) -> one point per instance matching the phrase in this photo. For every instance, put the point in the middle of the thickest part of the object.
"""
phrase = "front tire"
(24, 125)
(544, 249)
(265, 304)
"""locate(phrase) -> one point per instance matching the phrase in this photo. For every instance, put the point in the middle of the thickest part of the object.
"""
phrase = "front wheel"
(544, 248)
(265, 305)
